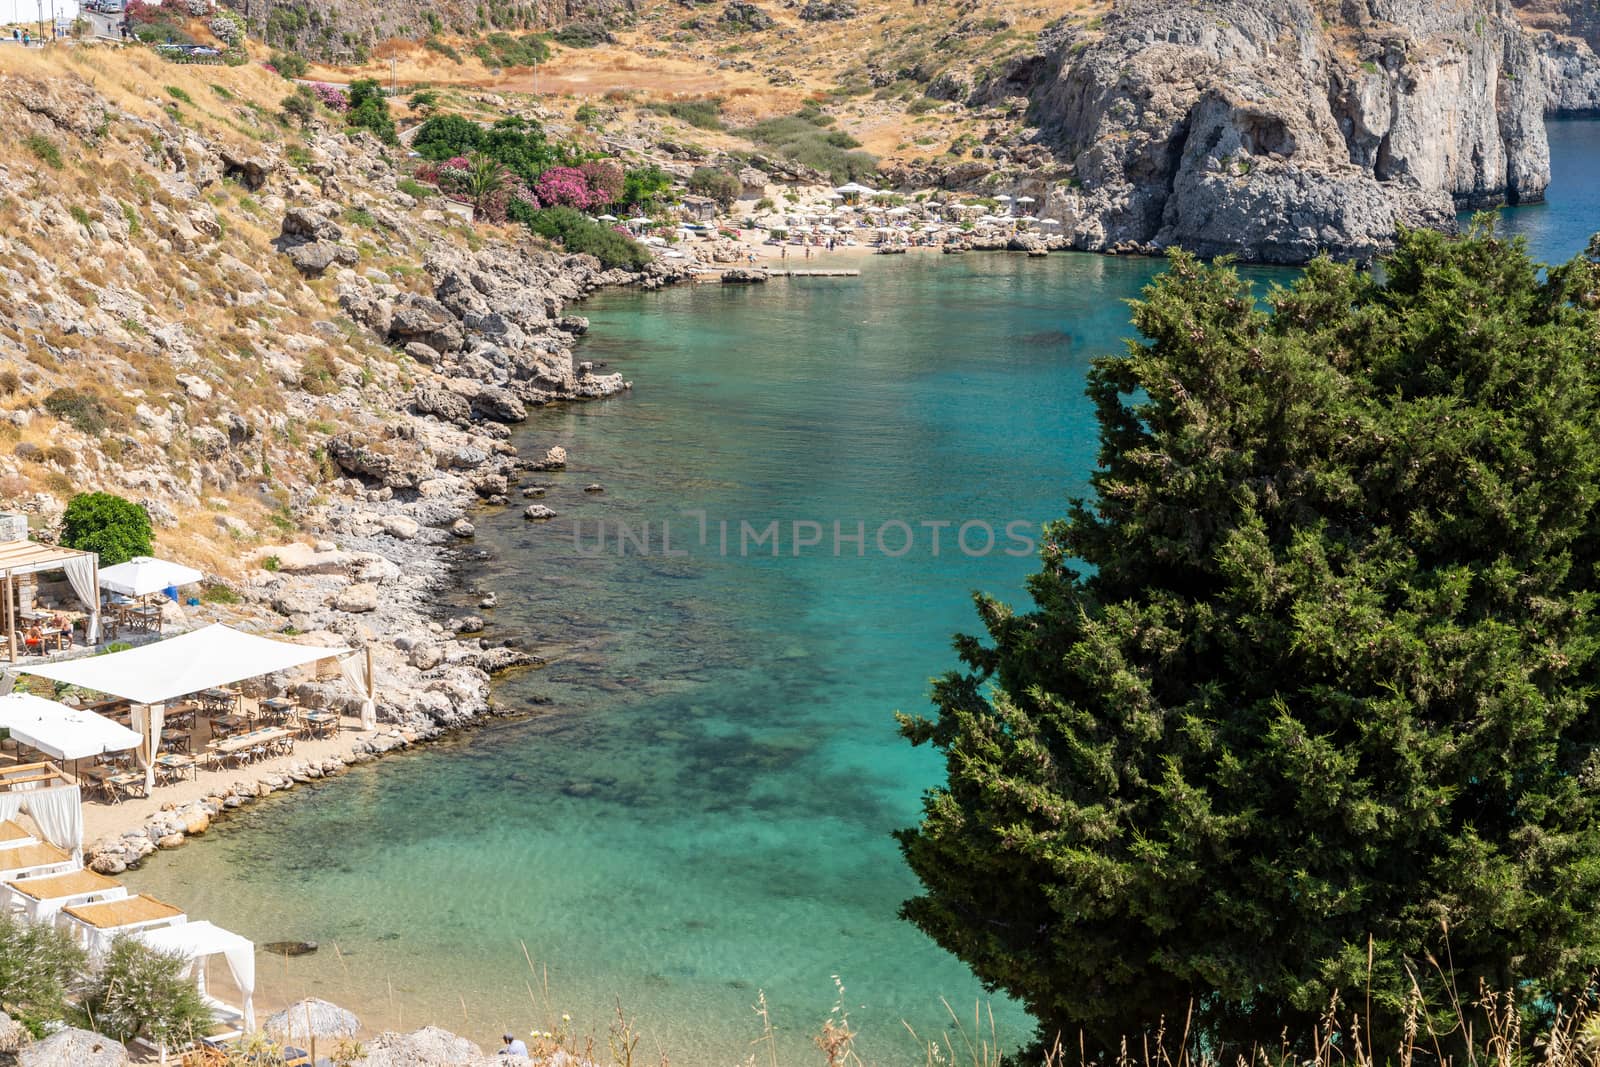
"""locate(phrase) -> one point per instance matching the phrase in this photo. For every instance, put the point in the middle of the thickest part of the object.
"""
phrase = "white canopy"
(1025, 200)
(606, 218)
(61, 731)
(143, 575)
(854, 187)
(201, 659)
(197, 939)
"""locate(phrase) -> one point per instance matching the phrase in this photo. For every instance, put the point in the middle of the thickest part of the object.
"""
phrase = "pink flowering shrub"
(605, 182)
(332, 97)
(563, 187)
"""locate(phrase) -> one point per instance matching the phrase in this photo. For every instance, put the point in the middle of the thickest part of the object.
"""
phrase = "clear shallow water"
(702, 809)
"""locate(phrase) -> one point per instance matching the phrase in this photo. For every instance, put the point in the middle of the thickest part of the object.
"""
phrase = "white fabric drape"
(59, 814)
(83, 572)
(354, 669)
(242, 965)
(58, 810)
(147, 721)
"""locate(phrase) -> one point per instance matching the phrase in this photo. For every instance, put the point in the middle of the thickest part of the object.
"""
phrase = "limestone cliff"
(1275, 129)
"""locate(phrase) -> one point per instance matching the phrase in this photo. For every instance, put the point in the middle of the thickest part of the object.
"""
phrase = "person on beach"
(515, 1046)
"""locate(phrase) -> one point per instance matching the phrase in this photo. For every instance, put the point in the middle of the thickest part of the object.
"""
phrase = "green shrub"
(45, 149)
(719, 185)
(300, 106)
(178, 93)
(701, 114)
(222, 91)
(360, 216)
(131, 216)
(139, 992)
(433, 44)
(82, 409)
(644, 187)
(38, 967)
(586, 113)
(218, 594)
(415, 189)
(423, 100)
(504, 50)
(79, 215)
(583, 35)
(577, 232)
(271, 563)
(369, 110)
(444, 136)
(117, 529)
(290, 64)
(804, 139)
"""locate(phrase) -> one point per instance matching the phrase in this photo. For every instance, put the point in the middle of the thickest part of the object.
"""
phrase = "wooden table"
(233, 746)
(321, 723)
(221, 699)
(175, 740)
(115, 784)
(175, 766)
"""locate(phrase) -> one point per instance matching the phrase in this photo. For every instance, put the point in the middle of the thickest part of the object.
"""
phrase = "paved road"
(103, 25)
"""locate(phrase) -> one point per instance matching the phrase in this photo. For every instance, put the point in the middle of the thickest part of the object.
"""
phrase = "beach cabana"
(51, 799)
(95, 926)
(144, 575)
(41, 899)
(21, 558)
(197, 940)
(153, 675)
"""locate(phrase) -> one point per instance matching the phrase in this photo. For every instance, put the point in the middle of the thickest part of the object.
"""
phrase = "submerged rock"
(289, 948)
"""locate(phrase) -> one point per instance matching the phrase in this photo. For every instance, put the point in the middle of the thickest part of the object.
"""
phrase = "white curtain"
(147, 722)
(242, 965)
(57, 810)
(84, 574)
(59, 813)
(354, 669)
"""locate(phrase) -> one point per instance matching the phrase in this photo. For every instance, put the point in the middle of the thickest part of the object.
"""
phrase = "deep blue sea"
(697, 808)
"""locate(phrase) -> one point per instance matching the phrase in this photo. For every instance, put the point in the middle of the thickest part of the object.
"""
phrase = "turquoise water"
(698, 806)
(1559, 228)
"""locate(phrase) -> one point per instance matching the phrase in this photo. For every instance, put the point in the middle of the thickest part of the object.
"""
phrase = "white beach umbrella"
(606, 218)
(1025, 200)
(900, 211)
(143, 575)
(1049, 222)
(310, 1018)
(1003, 198)
(855, 189)
(640, 220)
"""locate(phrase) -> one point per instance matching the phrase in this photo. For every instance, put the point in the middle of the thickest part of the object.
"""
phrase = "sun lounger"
(13, 835)
(41, 857)
(94, 926)
(39, 899)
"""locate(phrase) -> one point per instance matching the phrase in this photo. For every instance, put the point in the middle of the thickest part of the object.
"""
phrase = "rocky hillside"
(351, 29)
(1277, 128)
(306, 375)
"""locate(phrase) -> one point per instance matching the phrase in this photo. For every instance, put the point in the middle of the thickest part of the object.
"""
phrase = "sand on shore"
(102, 820)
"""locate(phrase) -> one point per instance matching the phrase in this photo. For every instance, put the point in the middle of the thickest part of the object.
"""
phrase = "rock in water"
(290, 948)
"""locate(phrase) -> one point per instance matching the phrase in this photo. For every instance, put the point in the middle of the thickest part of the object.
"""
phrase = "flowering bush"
(227, 26)
(563, 187)
(605, 182)
(332, 97)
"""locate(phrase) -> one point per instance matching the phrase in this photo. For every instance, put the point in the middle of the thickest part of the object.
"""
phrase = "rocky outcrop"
(74, 1048)
(1571, 76)
(1275, 129)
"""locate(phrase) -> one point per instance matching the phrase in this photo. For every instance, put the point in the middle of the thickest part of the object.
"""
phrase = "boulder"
(13, 1035)
(538, 511)
(401, 527)
(493, 402)
(74, 1048)
(463, 529)
(432, 398)
(358, 599)
(304, 223)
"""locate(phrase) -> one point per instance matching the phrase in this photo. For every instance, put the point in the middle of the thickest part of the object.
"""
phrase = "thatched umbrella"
(307, 1020)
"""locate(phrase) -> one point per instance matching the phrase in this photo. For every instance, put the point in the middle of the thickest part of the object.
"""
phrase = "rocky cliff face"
(342, 29)
(1275, 129)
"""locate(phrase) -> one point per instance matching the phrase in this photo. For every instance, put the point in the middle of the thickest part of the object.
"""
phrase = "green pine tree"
(1316, 665)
